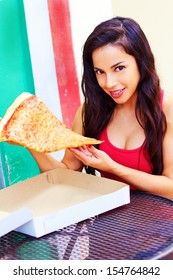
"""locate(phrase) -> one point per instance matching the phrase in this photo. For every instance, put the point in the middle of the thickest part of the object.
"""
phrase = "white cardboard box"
(56, 199)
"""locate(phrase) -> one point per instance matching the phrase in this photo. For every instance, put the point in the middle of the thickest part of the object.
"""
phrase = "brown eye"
(119, 68)
(98, 71)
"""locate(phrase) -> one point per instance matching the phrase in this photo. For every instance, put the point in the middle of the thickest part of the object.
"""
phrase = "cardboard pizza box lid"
(61, 197)
(10, 221)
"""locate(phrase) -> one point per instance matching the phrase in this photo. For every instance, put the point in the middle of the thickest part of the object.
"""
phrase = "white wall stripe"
(42, 57)
(41, 50)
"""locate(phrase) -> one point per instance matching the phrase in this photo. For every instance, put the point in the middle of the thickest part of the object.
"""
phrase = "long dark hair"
(98, 106)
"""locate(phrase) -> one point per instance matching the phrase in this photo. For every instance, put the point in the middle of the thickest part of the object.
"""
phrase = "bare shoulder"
(77, 123)
(168, 106)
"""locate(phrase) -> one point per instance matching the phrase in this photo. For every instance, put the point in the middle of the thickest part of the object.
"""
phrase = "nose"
(110, 81)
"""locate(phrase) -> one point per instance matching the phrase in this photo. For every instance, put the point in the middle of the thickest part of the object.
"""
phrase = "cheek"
(133, 79)
(100, 82)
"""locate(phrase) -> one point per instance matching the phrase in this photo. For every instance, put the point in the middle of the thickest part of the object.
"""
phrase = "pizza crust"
(10, 112)
(29, 123)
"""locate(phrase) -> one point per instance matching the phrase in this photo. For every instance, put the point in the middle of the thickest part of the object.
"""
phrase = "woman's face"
(116, 72)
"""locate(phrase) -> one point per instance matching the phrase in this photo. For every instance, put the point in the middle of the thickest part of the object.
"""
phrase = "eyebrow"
(116, 64)
(113, 66)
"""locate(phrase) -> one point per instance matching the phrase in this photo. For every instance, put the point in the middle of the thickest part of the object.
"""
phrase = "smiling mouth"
(116, 93)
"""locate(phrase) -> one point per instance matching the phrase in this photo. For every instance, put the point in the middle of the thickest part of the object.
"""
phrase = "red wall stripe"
(64, 58)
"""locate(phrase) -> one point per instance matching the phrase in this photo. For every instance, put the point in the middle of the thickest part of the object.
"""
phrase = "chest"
(125, 132)
(133, 155)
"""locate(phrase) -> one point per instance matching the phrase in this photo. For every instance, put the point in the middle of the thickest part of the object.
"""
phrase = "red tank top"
(136, 158)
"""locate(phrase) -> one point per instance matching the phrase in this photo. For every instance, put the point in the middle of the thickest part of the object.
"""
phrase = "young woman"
(125, 107)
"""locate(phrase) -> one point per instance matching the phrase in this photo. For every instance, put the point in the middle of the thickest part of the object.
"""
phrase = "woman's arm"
(46, 162)
(157, 184)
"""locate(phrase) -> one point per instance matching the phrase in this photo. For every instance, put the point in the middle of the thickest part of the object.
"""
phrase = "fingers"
(80, 151)
(86, 150)
(87, 155)
(95, 152)
(93, 157)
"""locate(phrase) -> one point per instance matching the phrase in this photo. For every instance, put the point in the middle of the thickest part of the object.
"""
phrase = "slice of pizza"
(29, 123)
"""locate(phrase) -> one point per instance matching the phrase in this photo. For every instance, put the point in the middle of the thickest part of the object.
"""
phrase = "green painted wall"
(16, 163)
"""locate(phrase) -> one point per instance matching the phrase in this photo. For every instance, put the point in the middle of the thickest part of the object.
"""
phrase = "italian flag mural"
(40, 51)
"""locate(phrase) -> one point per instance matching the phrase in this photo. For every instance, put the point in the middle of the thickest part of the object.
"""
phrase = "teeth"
(116, 92)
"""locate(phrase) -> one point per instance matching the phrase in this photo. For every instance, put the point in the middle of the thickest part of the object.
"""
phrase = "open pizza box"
(56, 199)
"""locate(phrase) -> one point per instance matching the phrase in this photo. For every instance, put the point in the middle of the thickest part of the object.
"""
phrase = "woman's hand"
(93, 157)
